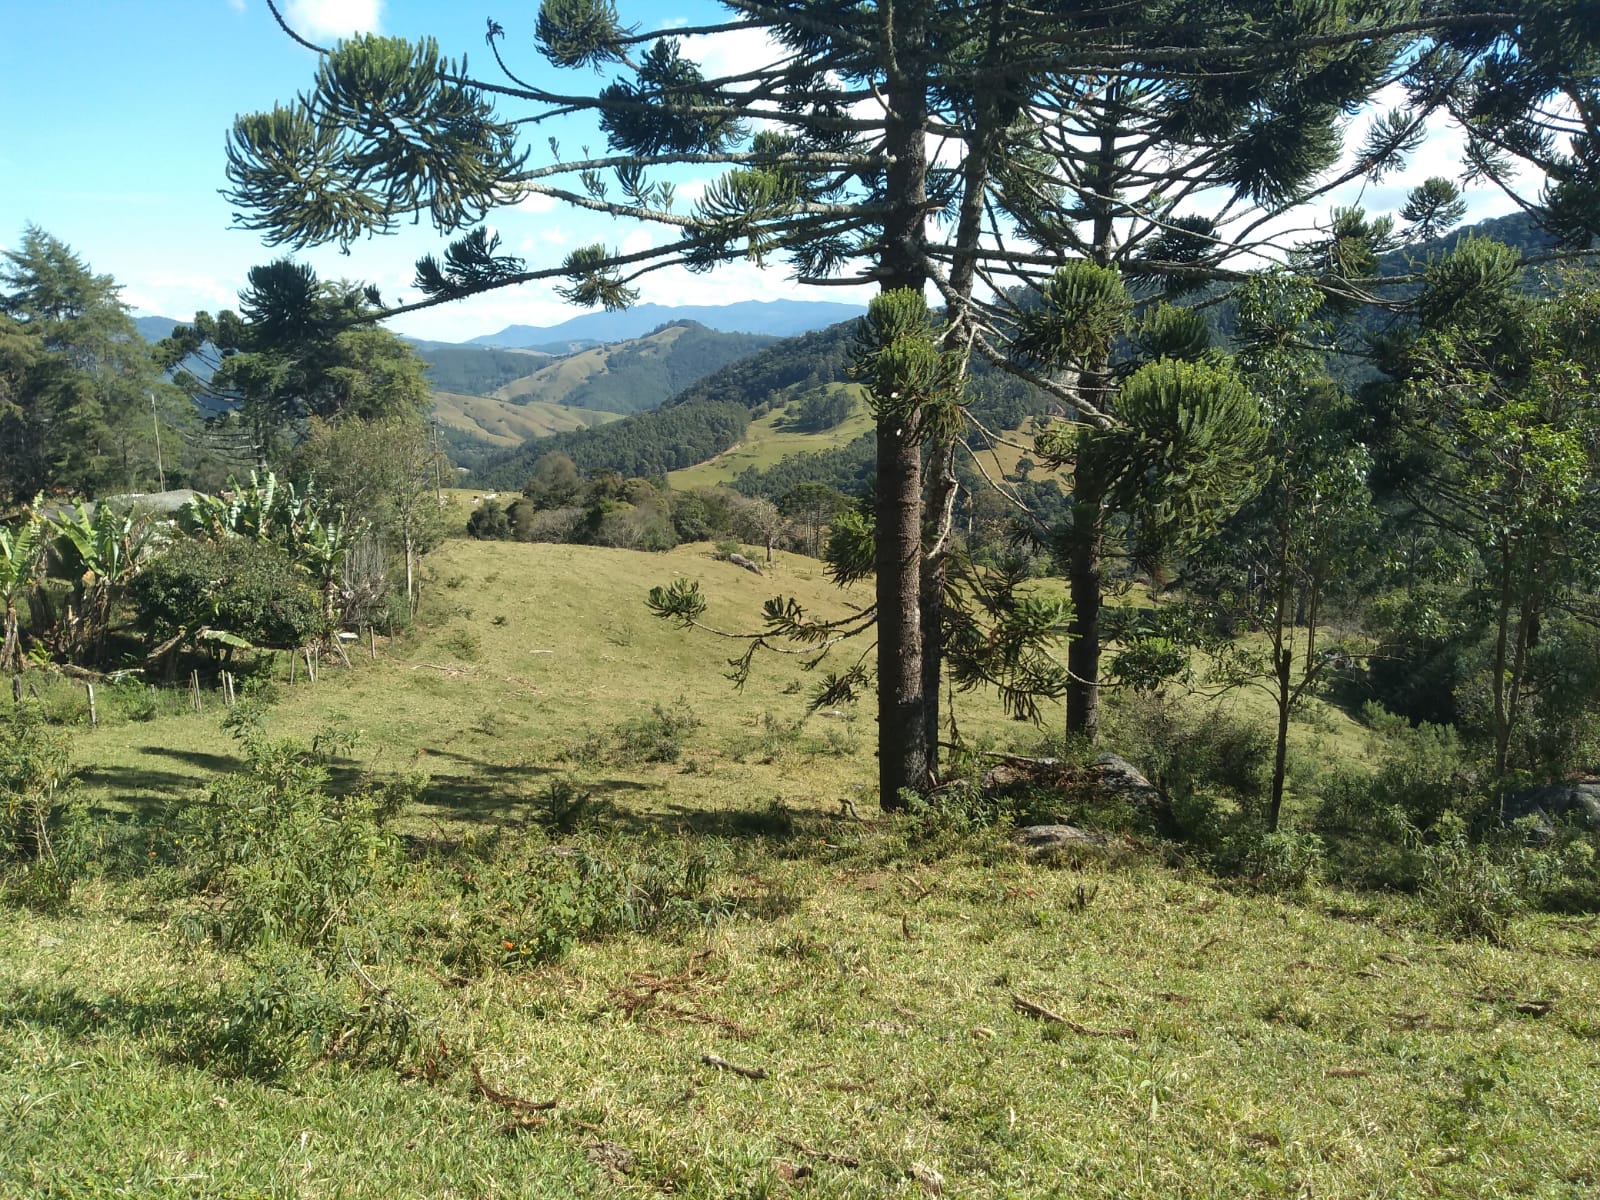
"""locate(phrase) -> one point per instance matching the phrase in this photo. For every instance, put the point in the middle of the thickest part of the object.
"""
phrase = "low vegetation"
(564, 915)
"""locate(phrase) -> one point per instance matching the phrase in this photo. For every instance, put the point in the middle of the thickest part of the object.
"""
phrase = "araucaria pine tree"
(965, 146)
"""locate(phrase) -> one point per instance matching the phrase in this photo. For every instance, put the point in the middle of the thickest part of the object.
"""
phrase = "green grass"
(1326, 1044)
(765, 445)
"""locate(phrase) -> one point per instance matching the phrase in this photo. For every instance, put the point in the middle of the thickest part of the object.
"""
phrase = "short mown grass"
(713, 982)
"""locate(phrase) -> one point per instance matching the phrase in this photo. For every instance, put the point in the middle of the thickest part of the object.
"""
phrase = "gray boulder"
(1107, 779)
(1041, 840)
(740, 560)
(1576, 801)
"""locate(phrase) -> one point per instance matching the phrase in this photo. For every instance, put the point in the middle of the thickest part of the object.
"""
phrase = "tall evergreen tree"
(77, 382)
(1156, 136)
(299, 348)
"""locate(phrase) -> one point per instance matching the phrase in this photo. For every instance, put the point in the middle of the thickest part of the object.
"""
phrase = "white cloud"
(180, 296)
(236, 5)
(638, 241)
(333, 18)
(536, 202)
(736, 52)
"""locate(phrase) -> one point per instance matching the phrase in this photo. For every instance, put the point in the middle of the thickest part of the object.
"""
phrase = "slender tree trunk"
(10, 659)
(1497, 670)
(935, 575)
(1084, 566)
(1283, 664)
(902, 749)
(411, 602)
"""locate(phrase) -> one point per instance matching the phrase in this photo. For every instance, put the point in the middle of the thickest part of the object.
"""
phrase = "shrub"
(535, 909)
(563, 809)
(287, 1013)
(236, 586)
(42, 827)
(658, 737)
(489, 522)
(272, 854)
(464, 644)
(1425, 774)
(1284, 861)
(1467, 889)
(1193, 757)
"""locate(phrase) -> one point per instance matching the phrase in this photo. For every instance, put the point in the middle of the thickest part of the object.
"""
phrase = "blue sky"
(113, 116)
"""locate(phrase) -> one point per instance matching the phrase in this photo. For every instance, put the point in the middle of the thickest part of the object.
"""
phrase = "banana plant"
(265, 511)
(21, 550)
(99, 552)
(321, 550)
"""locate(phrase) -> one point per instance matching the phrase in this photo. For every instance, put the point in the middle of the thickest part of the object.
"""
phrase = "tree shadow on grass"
(147, 788)
(219, 1029)
(777, 824)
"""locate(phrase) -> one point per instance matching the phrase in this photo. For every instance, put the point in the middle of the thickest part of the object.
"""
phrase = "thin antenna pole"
(161, 474)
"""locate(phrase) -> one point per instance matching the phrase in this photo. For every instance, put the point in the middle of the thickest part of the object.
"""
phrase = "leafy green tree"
(1495, 410)
(1093, 133)
(77, 382)
(812, 505)
(299, 348)
(100, 552)
(235, 593)
(1305, 534)
(383, 476)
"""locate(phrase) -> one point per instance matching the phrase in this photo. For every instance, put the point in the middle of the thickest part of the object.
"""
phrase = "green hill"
(477, 370)
(483, 419)
(711, 416)
(632, 376)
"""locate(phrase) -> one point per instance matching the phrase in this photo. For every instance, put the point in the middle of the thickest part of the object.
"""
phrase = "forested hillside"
(475, 370)
(633, 376)
(708, 417)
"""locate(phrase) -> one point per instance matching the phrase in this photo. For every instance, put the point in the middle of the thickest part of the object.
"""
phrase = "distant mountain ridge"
(153, 329)
(775, 318)
(630, 376)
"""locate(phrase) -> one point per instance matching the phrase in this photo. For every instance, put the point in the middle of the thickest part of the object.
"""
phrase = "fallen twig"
(722, 1064)
(634, 1002)
(505, 1099)
(842, 1160)
(1027, 1007)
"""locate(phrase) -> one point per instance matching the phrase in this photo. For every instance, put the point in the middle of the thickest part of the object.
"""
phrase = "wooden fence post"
(94, 715)
(194, 689)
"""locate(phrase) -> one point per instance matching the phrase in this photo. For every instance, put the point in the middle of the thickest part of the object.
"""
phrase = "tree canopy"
(961, 146)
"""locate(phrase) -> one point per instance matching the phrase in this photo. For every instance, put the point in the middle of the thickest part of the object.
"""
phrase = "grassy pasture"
(765, 445)
(1215, 1042)
(504, 423)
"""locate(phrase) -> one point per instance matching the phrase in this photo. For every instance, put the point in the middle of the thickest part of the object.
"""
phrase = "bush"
(286, 1013)
(658, 737)
(271, 854)
(1284, 861)
(1425, 774)
(243, 588)
(42, 827)
(489, 522)
(1467, 889)
(534, 909)
(563, 809)
(1193, 757)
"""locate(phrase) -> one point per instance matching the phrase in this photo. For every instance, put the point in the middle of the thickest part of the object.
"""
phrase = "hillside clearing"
(848, 1009)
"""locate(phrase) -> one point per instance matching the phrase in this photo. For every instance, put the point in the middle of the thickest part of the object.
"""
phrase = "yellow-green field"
(766, 445)
(503, 423)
